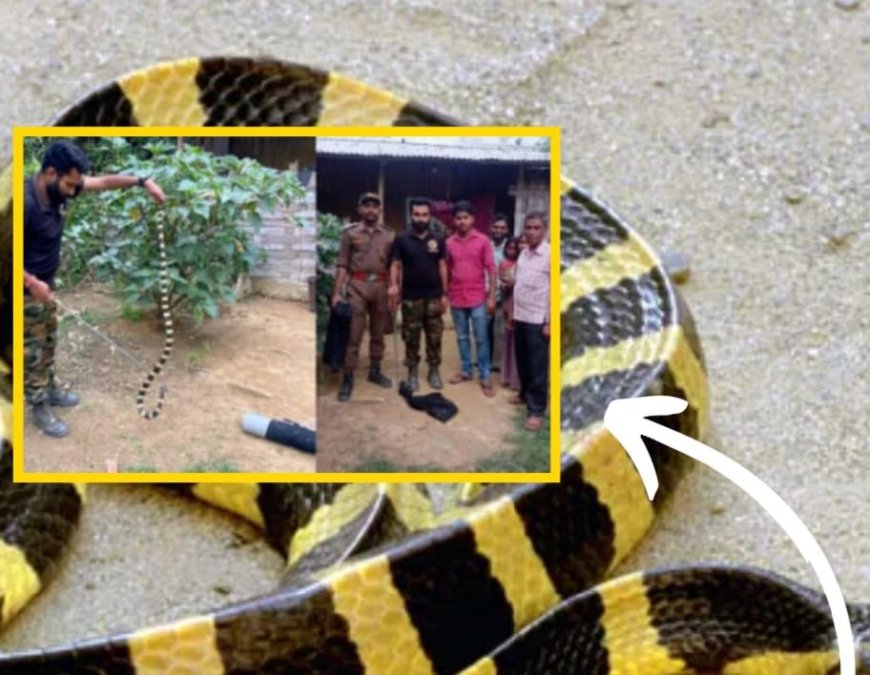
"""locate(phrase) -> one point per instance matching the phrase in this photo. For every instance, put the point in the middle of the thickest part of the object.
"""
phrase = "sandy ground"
(256, 357)
(737, 132)
(377, 425)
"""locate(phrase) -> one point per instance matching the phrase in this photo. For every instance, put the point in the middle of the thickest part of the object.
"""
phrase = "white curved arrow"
(626, 420)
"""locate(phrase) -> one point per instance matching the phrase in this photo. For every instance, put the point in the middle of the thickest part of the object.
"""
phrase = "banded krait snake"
(500, 581)
(168, 331)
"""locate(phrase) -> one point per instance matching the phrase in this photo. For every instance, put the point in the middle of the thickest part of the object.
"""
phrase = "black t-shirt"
(419, 258)
(43, 227)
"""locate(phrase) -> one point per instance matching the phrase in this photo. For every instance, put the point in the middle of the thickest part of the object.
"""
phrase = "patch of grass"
(86, 315)
(527, 451)
(221, 465)
(132, 313)
(65, 322)
(91, 317)
(375, 465)
(140, 468)
(194, 356)
(381, 465)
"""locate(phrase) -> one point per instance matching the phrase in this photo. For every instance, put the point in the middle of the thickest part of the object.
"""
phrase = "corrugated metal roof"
(482, 148)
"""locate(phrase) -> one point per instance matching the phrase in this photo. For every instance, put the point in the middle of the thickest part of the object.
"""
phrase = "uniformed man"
(418, 277)
(363, 259)
(61, 177)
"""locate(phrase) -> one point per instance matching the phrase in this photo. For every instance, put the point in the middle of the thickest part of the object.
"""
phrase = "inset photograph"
(434, 309)
(169, 322)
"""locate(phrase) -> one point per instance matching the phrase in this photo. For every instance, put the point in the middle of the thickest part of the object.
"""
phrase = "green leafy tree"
(106, 153)
(209, 201)
(329, 229)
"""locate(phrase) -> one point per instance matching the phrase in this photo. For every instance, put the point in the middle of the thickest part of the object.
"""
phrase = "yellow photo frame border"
(18, 473)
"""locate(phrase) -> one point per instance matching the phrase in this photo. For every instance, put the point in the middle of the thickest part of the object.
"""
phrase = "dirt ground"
(376, 430)
(258, 356)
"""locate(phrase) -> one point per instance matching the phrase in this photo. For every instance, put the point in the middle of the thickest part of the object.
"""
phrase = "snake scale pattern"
(168, 337)
(500, 579)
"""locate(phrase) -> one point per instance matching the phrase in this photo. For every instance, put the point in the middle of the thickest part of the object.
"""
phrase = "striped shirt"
(532, 288)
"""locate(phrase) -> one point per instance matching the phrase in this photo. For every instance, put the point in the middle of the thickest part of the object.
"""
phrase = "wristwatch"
(142, 180)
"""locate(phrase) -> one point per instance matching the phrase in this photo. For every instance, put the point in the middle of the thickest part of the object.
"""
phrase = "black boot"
(413, 380)
(378, 378)
(435, 378)
(62, 398)
(346, 387)
(49, 423)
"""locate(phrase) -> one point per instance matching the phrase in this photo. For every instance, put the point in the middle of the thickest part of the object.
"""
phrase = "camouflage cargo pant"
(40, 339)
(422, 316)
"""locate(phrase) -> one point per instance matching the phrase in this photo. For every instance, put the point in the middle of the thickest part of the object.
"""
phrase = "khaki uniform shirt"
(365, 250)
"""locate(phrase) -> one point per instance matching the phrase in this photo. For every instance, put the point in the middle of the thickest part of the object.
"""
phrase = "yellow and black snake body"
(168, 333)
(500, 579)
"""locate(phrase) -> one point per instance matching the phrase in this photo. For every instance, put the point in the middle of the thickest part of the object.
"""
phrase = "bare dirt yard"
(377, 431)
(257, 356)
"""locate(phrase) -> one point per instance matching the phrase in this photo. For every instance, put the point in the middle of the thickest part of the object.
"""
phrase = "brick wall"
(291, 250)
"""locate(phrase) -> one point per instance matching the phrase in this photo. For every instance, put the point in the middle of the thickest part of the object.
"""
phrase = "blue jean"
(478, 318)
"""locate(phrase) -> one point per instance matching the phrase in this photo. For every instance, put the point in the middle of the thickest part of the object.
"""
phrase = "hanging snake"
(500, 578)
(168, 333)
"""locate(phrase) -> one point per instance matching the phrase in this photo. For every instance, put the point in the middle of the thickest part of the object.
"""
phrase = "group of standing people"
(497, 294)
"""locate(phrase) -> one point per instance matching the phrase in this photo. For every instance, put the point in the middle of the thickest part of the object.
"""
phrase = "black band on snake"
(502, 578)
(168, 335)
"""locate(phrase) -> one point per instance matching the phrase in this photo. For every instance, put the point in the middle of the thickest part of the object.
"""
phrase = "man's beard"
(58, 198)
(55, 196)
(420, 227)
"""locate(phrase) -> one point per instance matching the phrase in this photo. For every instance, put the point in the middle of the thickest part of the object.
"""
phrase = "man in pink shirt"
(471, 271)
(532, 320)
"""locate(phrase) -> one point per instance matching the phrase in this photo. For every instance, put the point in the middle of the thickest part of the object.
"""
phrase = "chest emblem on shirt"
(432, 245)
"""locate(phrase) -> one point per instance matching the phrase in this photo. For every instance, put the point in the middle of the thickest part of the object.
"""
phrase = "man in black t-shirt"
(419, 269)
(61, 177)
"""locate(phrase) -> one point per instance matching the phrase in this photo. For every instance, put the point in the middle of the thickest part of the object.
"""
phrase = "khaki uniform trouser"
(368, 299)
